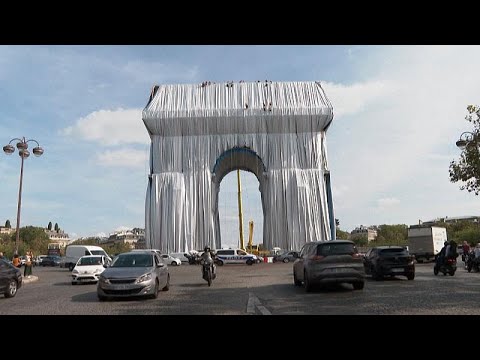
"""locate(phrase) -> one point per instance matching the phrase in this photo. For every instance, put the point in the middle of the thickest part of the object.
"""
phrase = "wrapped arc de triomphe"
(201, 132)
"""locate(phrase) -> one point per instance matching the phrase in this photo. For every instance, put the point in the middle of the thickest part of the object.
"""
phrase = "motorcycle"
(472, 262)
(208, 272)
(447, 266)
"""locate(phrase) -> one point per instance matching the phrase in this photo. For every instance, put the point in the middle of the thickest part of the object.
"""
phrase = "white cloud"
(111, 127)
(355, 98)
(123, 228)
(387, 202)
(101, 235)
(401, 133)
(123, 158)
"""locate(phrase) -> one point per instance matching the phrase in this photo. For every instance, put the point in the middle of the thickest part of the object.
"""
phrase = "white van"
(183, 256)
(75, 252)
(233, 256)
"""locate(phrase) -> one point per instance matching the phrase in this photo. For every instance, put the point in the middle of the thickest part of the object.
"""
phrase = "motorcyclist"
(208, 258)
(443, 253)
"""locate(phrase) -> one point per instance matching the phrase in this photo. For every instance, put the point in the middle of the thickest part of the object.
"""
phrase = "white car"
(170, 260)
(89, 268)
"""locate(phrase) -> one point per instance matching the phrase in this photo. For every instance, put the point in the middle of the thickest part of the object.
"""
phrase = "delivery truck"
(426, 241)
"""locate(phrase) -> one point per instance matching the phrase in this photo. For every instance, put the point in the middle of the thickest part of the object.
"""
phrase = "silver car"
(139, 273)
(323, 262)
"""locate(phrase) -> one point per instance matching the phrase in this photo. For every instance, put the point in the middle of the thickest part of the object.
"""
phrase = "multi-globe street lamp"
(22, 146)
(465, 139)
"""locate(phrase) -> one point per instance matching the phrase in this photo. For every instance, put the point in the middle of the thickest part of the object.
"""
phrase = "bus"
(54, 249)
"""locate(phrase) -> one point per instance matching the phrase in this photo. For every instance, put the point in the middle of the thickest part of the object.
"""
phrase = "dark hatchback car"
(286, 257)
(326, 262)
(389, 260)
(10, 279)
(51, 261)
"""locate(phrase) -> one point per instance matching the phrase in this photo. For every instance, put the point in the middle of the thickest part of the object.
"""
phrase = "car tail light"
(357, 256)
(316, 257)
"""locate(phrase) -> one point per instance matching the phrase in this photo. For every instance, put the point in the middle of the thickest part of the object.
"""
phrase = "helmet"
(206, 249)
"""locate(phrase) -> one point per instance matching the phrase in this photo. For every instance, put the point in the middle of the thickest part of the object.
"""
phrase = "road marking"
(252, 302)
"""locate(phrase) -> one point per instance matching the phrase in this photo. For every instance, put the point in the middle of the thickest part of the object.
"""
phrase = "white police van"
(233, 256)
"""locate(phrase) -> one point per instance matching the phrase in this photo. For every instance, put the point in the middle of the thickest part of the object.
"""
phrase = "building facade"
(362, 231)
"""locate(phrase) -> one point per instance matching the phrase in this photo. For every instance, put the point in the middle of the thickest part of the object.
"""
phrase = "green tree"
(117, 248)
(391, 235)
(33, 238)
(7, 224)
(344, 235)
(467, 168)
(87, 241)
(360, 240)
(49, 227)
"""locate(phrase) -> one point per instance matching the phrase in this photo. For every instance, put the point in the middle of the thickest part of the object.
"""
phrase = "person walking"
(16, 261)
(27, 272)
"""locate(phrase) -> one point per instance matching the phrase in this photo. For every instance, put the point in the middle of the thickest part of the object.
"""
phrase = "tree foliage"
(344, 235)
(467, 168)
(8, 225)
(391, 235)
(31, 238)
(360, 240)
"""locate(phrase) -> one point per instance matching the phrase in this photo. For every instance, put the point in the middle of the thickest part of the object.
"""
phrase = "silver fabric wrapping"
(200, 132)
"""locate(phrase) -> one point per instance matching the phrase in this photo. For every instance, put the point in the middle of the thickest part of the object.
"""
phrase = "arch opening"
(244, 159)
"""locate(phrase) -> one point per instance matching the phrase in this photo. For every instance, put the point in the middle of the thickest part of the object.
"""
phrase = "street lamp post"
(22, 146)
(465, 139)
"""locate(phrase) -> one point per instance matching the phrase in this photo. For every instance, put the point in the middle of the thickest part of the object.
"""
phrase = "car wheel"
(249, 262)
(435, 270)
(167, 286)
(286, 260)
(411, 276)
(296, 282)
(452, 272)
(219, 262)
(308, 285)
(74, 283)
(174, 263)
(102, 298)
(155, 291)
(359, 285)
(11, 289)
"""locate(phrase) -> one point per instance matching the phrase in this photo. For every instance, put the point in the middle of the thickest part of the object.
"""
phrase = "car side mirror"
(105, 265)
(160, 265)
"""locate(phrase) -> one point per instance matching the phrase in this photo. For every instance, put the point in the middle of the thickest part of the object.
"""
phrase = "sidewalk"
(27, 280)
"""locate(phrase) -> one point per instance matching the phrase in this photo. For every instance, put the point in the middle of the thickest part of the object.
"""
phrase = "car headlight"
(143, 278)
(104, 280)
(75, 272)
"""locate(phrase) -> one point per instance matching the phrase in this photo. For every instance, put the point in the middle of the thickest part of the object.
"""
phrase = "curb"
(29, 280)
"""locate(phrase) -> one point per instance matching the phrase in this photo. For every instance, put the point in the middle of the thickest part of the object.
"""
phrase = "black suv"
(10, 279)
(389, 260)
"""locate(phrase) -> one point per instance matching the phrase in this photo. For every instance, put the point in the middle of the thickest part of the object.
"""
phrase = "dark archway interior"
(238, 158)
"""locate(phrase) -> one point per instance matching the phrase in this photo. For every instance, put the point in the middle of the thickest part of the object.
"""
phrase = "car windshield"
(90, 261)
(336, 249)
(133, 260)
(394, 251)
(98, 252)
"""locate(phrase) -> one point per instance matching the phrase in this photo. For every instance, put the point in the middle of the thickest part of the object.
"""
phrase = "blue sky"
(398, 112)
